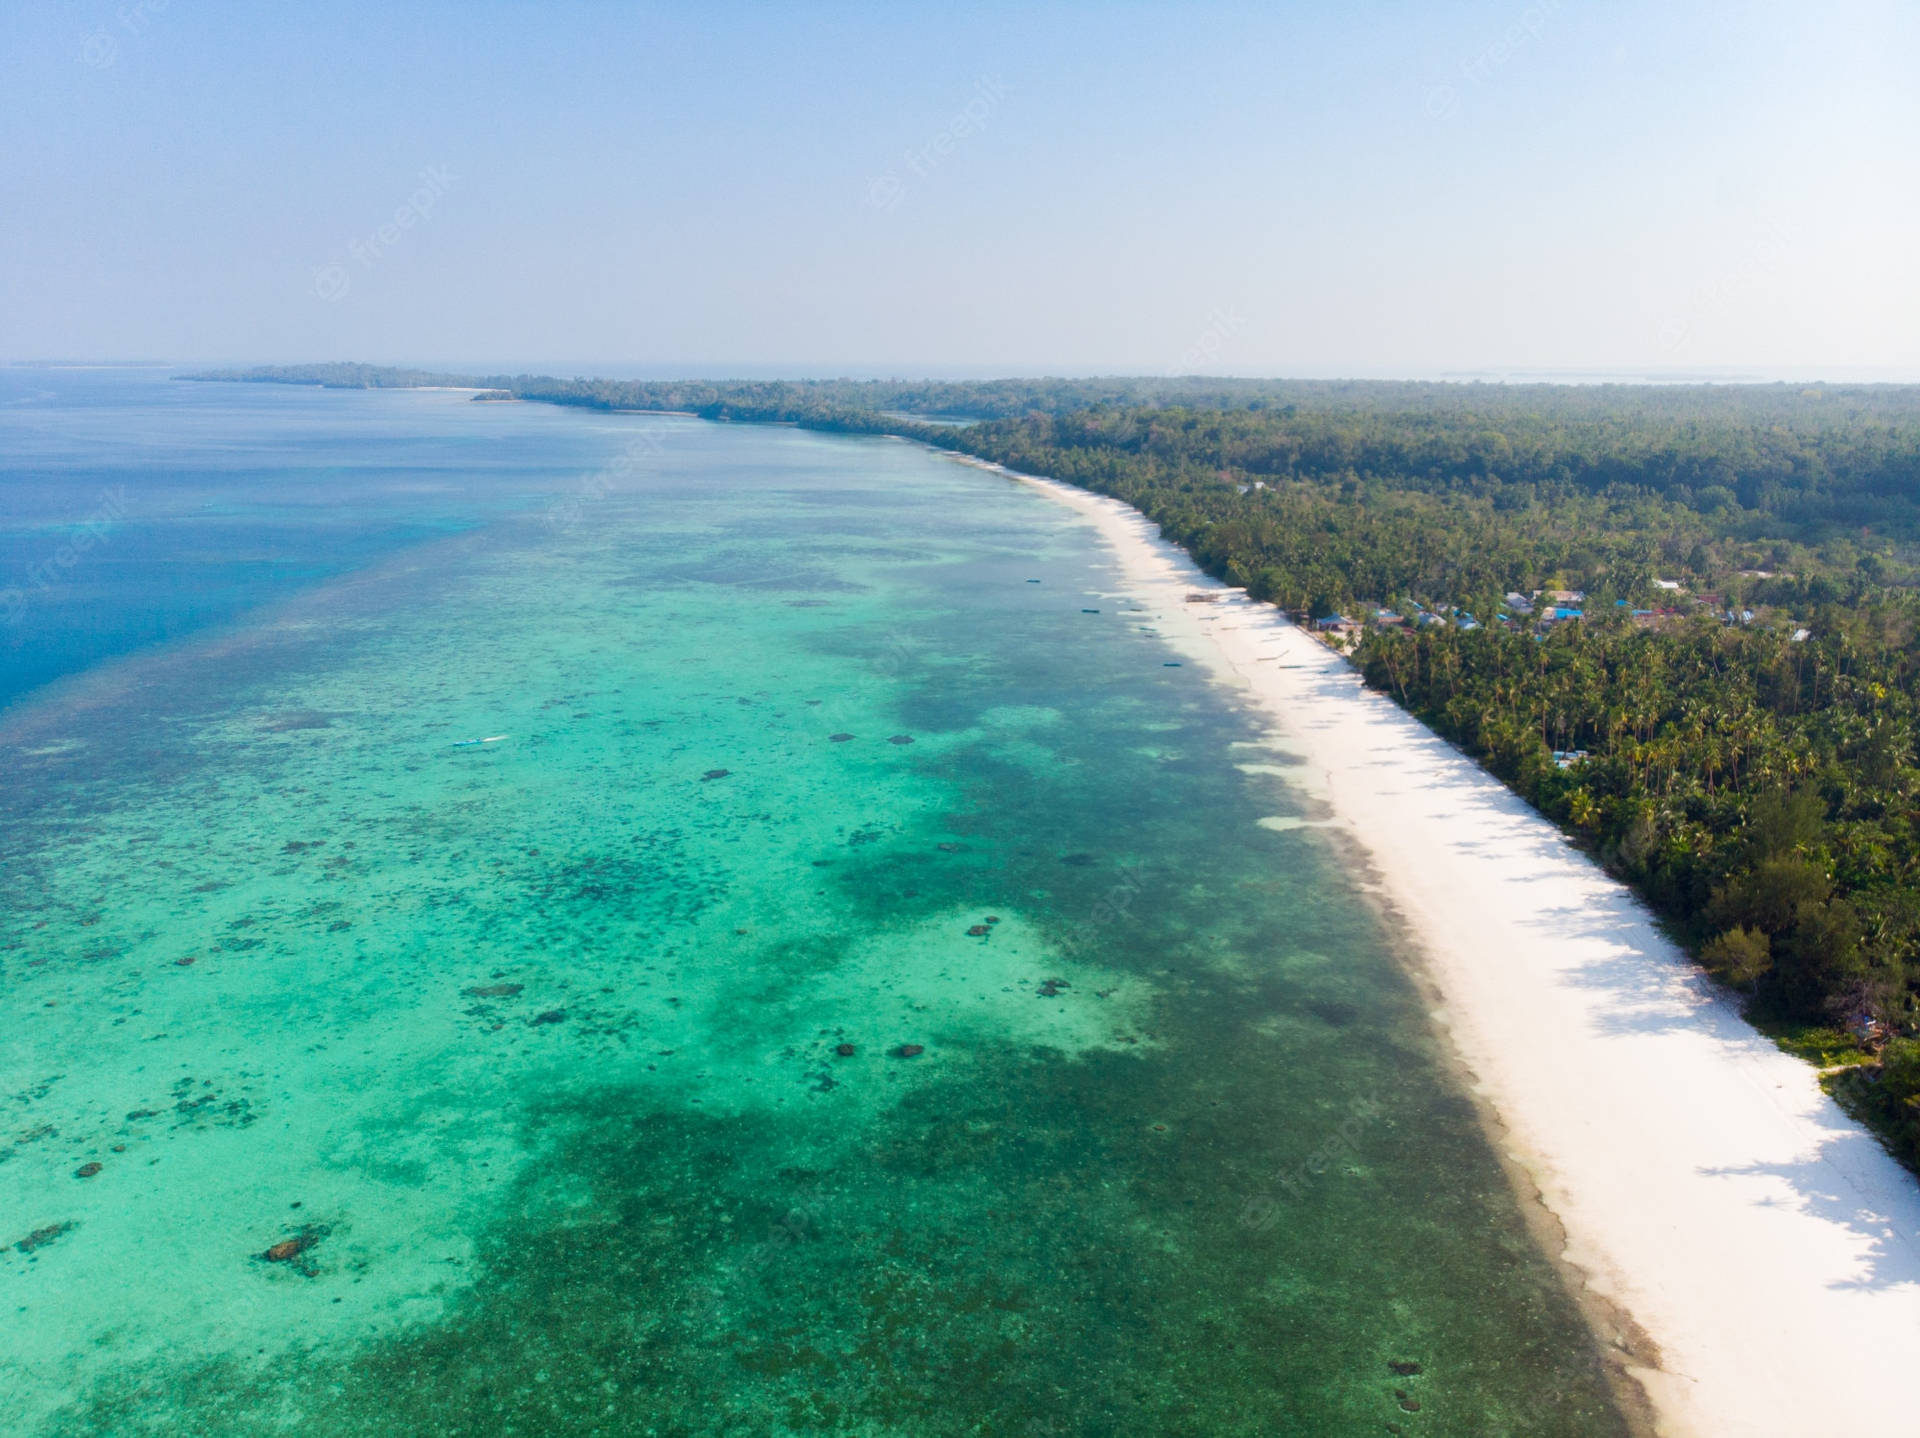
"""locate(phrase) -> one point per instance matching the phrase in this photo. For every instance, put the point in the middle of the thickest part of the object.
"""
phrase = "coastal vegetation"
(1722, 705)
(1683, 622)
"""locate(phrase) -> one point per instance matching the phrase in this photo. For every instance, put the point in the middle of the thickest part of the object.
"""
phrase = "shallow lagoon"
(525, 1056)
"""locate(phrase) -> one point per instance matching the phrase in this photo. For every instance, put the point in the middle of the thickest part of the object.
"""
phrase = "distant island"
(1682, 621)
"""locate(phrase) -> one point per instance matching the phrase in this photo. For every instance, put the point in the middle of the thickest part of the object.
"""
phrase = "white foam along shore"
(1707, 1189)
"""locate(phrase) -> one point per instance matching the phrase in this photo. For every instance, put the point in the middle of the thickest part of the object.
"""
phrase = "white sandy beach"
(1707, 1188)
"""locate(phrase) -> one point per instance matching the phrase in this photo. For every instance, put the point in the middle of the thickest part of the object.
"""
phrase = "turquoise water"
(672, 1064)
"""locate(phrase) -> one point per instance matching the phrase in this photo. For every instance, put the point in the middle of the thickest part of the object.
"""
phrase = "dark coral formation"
(41, 1237)
(295, 1251)
(494, 991)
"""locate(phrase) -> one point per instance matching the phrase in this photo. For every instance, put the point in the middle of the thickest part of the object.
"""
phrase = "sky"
(1373, 189)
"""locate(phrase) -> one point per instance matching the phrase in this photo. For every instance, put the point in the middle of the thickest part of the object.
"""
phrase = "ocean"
(521, 920)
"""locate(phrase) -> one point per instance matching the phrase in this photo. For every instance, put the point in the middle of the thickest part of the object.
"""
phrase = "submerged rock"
(87, 1170)
(494, 991)
(1405, 1367)
(909, 1051)
(978, 931)
(292, 1251)
(41, 1237)
(846, 1051)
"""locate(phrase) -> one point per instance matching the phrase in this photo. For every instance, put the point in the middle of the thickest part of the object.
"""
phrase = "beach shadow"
(1851, 1183)
(1610, 946)
(1651, 988)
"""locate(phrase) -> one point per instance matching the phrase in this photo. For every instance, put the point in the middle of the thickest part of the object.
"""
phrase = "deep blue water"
(137, 509)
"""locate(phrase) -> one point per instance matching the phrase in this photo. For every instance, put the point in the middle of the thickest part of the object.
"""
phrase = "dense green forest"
(1727, 715)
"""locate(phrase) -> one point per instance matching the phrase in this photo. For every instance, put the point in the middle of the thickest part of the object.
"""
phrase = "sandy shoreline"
(1708, 1190)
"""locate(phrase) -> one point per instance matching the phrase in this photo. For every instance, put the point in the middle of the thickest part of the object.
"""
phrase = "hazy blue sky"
(1334, 188)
